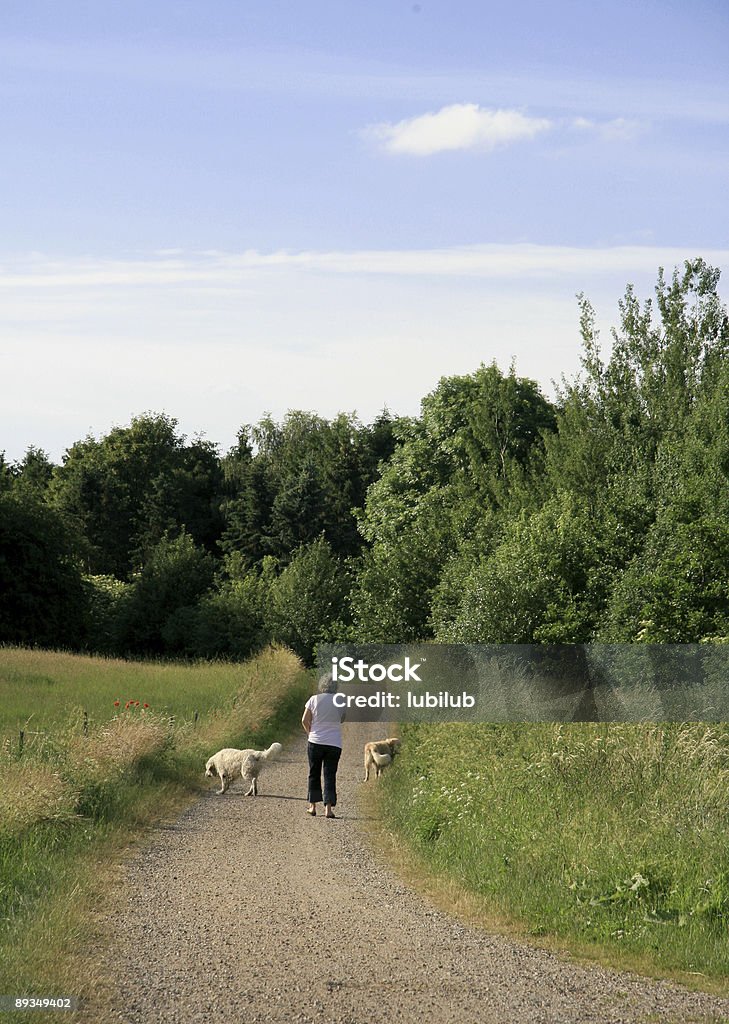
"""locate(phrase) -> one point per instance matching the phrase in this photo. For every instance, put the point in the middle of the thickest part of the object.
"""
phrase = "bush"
(160, 604)
(307, 598)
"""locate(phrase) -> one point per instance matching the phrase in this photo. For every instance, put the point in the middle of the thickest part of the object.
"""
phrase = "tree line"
(495, 516)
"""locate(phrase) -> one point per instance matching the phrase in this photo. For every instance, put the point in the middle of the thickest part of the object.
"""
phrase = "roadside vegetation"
(84, 787)
(612, 839)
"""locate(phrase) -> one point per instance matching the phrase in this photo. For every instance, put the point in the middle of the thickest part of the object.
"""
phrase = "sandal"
(330, 815)
(311, 811)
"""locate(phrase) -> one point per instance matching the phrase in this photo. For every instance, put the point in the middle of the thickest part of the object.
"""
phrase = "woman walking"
(322, 721)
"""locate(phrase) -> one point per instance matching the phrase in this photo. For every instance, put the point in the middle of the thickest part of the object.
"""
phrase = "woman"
(322, 722)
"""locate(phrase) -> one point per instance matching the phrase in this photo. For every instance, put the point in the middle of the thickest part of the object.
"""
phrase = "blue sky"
(215, 210)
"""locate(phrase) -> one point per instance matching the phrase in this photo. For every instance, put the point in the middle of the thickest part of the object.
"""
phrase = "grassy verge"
(78, 796)
(610, 841)
(42, 690)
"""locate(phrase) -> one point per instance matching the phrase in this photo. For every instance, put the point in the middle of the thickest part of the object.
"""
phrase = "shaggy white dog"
(228, 763)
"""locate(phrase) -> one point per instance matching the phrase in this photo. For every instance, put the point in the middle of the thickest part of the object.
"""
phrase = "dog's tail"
(273, 751)
(381, 760)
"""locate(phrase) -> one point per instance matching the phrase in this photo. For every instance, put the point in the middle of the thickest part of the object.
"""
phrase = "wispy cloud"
(226, 269)
(468, 126)
(218, 338)
(458, 126)
(618, 129)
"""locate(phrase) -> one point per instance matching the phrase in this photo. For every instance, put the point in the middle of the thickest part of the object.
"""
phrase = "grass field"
(80, 791)
(40, 690)
(613, 838)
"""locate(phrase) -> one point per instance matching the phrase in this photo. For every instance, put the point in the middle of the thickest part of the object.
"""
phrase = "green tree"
(41, 591)
(248, 497)
(185, 494)
(105, 613)
(637, 442)
(392, 598)
(491, 424)
(536, 586)
(6, 473)
(299, 510)
(663, 358)
(34, 472)
(453, 469)
(230, 621)
(307, 599)
(138, 483)
(676, 589)
(163, 596)
(286, 483)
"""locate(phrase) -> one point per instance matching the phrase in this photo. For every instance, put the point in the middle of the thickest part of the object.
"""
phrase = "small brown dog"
(379, 754)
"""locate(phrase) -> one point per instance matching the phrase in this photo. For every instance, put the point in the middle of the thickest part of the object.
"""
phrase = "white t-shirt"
(326, 720)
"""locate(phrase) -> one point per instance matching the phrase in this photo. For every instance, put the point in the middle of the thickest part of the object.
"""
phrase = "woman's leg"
(331, 762)
(315, 753)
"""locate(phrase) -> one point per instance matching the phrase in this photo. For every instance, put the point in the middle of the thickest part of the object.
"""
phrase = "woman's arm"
(306, 720)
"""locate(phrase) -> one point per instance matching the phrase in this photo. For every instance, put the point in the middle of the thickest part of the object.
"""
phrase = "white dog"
(228, 763)
(379, 754)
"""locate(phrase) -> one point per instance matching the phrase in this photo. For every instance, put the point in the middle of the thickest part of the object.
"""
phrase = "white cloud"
(619, 129)
(217, 269)
(458, 126)
(219, 338)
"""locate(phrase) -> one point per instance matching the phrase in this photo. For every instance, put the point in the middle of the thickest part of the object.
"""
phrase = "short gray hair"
(327, 683)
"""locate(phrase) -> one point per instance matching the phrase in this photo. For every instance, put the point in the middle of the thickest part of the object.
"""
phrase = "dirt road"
(248, 910)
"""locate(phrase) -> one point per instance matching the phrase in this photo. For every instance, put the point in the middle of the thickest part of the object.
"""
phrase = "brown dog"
(379, 754)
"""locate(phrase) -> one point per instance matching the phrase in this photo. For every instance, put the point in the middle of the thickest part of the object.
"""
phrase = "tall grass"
(40, 689)
(611, 836)
(82, 788)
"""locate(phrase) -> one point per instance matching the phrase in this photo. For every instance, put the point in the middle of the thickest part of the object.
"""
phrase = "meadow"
(41, 690)
(110, 748)
(612, 840)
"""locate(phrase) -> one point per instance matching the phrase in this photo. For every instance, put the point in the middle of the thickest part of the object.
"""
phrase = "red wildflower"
(117, 703)
(146, 705)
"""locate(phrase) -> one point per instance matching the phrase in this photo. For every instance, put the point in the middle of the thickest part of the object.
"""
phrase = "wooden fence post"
(86, 723)
(20, 745)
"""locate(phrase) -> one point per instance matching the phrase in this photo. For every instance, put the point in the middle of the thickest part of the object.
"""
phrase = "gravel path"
(248, 910)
